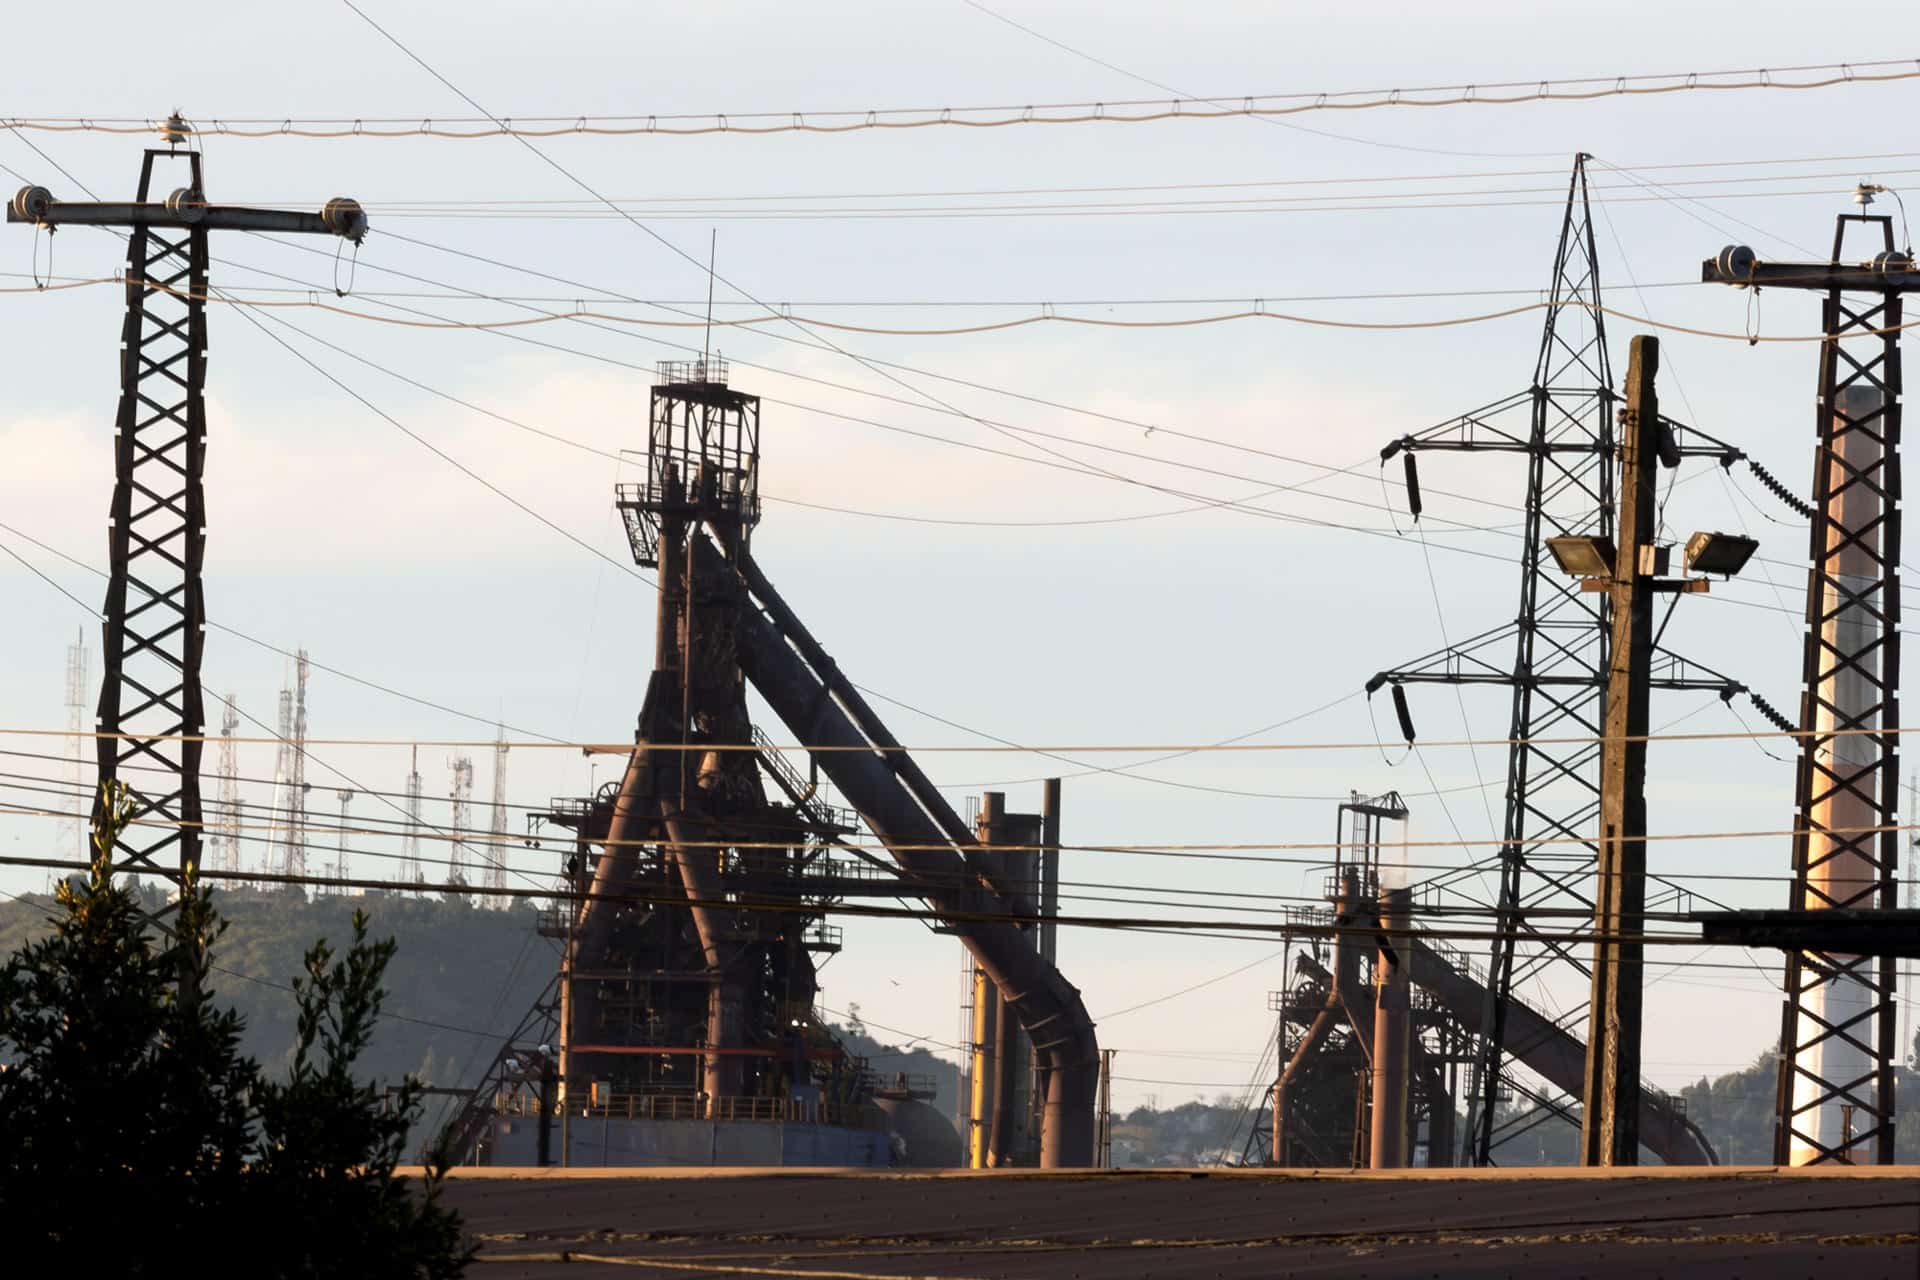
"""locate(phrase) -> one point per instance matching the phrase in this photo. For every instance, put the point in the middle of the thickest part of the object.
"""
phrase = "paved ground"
(1756, 1224)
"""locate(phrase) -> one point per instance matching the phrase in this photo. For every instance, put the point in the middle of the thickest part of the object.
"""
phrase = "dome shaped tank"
(927, 1139)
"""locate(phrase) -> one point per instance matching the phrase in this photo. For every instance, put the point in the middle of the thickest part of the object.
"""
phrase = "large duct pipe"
(1009, 1046)
(633, 816)
(1392, 1041)
(813, 699)
(697, 863)
(1556, 1054)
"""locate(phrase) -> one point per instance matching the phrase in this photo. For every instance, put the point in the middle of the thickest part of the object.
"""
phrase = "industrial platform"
(1859, 1223)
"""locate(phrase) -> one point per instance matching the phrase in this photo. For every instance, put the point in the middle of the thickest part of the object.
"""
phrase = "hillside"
(460, 979)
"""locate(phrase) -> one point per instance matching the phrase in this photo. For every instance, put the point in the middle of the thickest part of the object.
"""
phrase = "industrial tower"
(697, 888)
(151, 719)
(1553, 657)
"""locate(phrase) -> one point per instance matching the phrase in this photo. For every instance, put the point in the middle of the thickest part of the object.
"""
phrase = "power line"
(1006, 748)
(1241, 184)
(1262, 105)
(1292, 927)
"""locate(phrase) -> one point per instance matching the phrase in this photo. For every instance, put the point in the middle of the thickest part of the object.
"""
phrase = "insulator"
(187, 205)
(1400, 709)
(1892, 260)
(1413, 486)
(346, 218)
(31, 203)
(175, 130)
(1735, 262)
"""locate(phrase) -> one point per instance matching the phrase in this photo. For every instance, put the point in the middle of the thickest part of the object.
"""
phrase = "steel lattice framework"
(1837, 1033)
(150, 710)
(151, 719)
(1554, 655)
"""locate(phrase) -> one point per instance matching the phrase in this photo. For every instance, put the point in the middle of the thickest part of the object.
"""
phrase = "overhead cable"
(1122, 111)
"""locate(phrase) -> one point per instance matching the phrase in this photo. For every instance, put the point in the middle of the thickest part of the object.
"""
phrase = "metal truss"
(150, 719)
(150, 713)
(1837, 1034)
(1554, 655)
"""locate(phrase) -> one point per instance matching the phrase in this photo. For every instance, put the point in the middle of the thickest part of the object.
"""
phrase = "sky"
(944, 551)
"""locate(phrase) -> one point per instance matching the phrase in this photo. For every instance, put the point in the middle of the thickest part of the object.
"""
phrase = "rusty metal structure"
(1837, 1035)
(1427, 997)
(1552, 658)
(699, 884)
(151, 716)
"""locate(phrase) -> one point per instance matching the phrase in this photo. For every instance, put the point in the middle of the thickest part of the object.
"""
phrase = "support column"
(1610, 1122)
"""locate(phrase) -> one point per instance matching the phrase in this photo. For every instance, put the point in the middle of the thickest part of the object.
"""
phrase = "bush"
(135, 1139)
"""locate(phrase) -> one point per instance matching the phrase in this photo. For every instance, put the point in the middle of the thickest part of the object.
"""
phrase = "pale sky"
(332, 530)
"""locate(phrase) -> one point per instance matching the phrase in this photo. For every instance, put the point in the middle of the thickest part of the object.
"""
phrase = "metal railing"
(737, 1110)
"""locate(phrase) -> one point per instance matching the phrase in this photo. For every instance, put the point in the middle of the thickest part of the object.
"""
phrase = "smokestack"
(1392, 1036)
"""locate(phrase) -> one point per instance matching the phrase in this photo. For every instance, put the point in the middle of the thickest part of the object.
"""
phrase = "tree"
(135, 1139)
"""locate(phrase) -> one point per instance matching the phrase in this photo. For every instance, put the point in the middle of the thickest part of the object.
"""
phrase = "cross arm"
(1889, 272)
(340, 217)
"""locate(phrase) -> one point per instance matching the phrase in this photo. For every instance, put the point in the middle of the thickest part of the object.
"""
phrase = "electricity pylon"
(1554, 655)
(151, 719)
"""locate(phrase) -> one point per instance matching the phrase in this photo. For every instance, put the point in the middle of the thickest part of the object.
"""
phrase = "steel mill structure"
(685, 1025)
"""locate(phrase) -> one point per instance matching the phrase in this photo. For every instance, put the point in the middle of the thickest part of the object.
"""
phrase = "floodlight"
(1722, 553)
(1583, 557)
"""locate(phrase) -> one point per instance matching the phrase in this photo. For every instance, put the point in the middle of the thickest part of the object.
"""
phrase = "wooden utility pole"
(1610, 1124)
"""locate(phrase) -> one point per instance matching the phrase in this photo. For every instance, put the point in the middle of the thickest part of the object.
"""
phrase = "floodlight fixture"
(1581, 556)
(1722, 553)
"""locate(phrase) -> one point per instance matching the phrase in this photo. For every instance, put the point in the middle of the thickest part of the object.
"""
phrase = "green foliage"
(135, 1136)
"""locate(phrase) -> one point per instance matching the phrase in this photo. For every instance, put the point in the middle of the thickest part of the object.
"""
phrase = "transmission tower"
(224, 850)
(293, 848)
(345, 797)
(410, 870)
(280, 821)
(496, 857)
(1554, 655)
(461, 797)
(150, 709)
(77, 728)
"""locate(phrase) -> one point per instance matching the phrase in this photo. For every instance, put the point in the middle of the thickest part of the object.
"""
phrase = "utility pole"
(1610, 1120)
(1837, 1023)
(150, 711)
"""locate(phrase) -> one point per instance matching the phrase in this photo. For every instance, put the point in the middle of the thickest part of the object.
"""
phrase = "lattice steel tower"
(1554, 655)
(460, 796)
(77, 731)
(1836, 1098)
(150, 717)
(410, 870)
(224, 847)
(496, 856)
